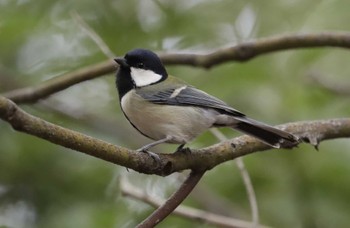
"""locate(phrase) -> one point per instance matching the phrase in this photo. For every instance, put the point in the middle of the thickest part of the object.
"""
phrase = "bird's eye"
(140, 65)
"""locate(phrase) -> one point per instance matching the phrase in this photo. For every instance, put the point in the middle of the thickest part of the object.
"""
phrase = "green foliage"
(50, 186)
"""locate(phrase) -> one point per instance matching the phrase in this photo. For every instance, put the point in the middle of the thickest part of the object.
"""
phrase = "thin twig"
(184, 211)
(173, 202)
(241, 52)
(199, 159)
(92, 34)
(246, 180)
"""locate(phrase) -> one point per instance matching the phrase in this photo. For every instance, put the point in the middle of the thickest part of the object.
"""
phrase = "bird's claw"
(151, 154)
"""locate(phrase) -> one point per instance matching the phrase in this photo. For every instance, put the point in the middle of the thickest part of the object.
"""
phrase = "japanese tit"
(168, 110)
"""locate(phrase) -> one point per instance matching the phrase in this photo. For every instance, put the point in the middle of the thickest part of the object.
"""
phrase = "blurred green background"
(44, 185)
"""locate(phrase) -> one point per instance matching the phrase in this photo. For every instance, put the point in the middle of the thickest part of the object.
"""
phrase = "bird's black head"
(139, 68)
(144, 59)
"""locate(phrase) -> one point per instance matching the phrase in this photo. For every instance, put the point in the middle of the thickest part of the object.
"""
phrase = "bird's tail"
(268, 134)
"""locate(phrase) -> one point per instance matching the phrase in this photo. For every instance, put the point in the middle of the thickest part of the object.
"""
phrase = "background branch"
(31, 94)
(240, 52)
(174, 200)
(199, 159)
(251, 49)
(92, 34)
(246, 181)
(184, 211)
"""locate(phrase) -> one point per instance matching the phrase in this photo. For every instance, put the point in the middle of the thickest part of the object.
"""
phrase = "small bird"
(168, 110)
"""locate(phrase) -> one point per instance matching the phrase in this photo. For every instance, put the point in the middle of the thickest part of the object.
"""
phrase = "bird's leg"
(145, 148)
(155, 143)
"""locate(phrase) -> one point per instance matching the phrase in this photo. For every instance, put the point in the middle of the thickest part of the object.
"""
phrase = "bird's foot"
(151, 154)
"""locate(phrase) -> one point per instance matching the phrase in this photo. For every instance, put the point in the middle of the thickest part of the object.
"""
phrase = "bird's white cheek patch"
(143, 77)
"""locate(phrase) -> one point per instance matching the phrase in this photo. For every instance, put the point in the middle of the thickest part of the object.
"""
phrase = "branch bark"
(240, 53)
(199, 160)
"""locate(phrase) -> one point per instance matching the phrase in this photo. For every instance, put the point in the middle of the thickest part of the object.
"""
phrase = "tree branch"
(240, 52)
(31, 94)
(184, 211)
(175, 200)
(198, 159)
(246, 181)
(251, 49)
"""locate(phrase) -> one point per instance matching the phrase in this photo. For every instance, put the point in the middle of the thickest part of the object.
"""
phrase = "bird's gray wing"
(188, 96)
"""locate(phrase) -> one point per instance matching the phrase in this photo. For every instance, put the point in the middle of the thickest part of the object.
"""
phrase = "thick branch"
(199, 159)
(175, 200)
(240, 52)
(24, 122)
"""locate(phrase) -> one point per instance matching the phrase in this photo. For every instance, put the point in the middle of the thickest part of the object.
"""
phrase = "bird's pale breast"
(183, 123)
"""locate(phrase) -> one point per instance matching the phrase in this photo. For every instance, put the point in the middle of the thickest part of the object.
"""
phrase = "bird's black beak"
(122, 62)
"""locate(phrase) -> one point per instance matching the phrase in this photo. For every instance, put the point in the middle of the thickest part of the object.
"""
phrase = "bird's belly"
(182, 123)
